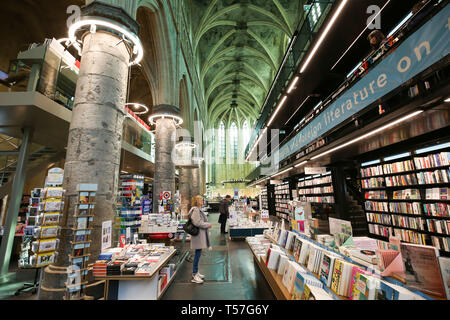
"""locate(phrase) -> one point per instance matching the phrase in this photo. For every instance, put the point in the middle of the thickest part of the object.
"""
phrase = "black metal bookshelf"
(409, 166)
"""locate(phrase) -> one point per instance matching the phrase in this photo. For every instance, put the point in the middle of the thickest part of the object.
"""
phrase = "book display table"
(242, 225)
(149, 285)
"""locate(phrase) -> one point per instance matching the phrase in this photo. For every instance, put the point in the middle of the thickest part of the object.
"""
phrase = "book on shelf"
(363, 286)
(422, 269)
(437, 194)
(388, 291)
(282, 264)
(433, 160)
(314, 293)
(327, 267)
(376, 195)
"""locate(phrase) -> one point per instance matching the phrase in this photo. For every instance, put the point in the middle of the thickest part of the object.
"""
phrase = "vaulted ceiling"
(239, 45)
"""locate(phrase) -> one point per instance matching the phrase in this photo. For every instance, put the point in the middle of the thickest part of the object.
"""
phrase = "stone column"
(164, 146)
(185, 190)
(195, 173)
(95, 134)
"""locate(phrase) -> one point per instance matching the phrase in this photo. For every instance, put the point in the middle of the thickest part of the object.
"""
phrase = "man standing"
(224, 213)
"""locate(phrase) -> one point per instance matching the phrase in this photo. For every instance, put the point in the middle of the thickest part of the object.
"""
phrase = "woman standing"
(200, 241)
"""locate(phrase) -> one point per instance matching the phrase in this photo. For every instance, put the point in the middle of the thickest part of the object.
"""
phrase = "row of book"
(437, 194)
(441, 243)
(439, 226)
(328, 199)
(316, 181)
(398, 167)
(379, 218)
(401, 181)
(372, 171)
(407, 194)
(420, 163)
(438, 176)
(405, 207)
(376, 195)
(410, 236)
(433, 160)
(376, 206)
(317, 190)
(373, 183)
(437, 209)
(408, 222)
(380, 230)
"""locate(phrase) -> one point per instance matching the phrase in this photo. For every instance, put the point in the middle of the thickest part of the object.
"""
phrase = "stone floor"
(231, 274)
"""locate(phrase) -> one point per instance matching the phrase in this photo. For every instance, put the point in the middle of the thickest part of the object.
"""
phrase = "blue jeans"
(198, 254)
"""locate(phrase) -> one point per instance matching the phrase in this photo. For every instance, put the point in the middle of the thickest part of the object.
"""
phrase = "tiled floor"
(231, 274)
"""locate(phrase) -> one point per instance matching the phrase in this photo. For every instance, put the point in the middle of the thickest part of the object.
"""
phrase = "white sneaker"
(200, 275)
(197, 279)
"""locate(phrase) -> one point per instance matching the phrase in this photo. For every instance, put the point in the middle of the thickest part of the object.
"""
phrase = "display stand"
(129, 211)
(39, 241)
(84, 214)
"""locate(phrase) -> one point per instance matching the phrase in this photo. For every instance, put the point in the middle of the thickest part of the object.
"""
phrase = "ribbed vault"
(239, 45)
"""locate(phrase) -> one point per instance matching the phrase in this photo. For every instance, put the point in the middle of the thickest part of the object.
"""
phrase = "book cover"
(336, 276)
(364, 286)
(444, 264)
(298, 287)
(326, 270)
(422, 269)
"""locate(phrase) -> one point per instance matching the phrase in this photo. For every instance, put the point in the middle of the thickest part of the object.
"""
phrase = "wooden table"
(274, 280)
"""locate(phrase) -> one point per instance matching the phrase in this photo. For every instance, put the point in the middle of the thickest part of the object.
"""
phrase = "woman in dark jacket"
(224, 213)
(200, 241)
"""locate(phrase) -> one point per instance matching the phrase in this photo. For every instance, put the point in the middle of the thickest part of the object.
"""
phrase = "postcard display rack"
(130, 208)
(282, 198)
(81, 242)
(408, 196)
(43, 218)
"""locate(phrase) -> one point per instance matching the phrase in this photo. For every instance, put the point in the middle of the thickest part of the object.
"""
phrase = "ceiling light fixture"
(301, 164)
(280, 105)
(177, 119)
(136, 106)
(293, 84)
(369, 134)
(138, 49)
(324, 34)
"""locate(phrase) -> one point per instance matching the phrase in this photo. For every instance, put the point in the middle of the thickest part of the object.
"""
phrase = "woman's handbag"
(189, 228)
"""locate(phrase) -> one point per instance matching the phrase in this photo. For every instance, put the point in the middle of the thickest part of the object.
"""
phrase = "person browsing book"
(200, 241)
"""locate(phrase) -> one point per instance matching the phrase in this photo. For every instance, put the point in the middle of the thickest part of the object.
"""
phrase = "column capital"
(112, 11)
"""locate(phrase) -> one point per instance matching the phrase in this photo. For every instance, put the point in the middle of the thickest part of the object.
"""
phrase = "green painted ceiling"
(239, 46)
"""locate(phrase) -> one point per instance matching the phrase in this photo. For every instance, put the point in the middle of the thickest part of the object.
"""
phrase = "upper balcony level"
(39, 93)
(408, 72)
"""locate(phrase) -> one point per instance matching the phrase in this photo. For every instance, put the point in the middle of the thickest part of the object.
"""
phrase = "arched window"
(246, 133)
(222, 142)
(234, 140)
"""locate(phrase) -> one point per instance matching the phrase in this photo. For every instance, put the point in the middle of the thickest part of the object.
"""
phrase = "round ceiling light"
(138, 50)
(177, 119)
(137, 106)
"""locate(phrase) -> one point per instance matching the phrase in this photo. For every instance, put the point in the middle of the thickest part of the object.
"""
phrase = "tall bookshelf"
(317, 189)
(408, 195)
(264, 199)
(282, 197)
